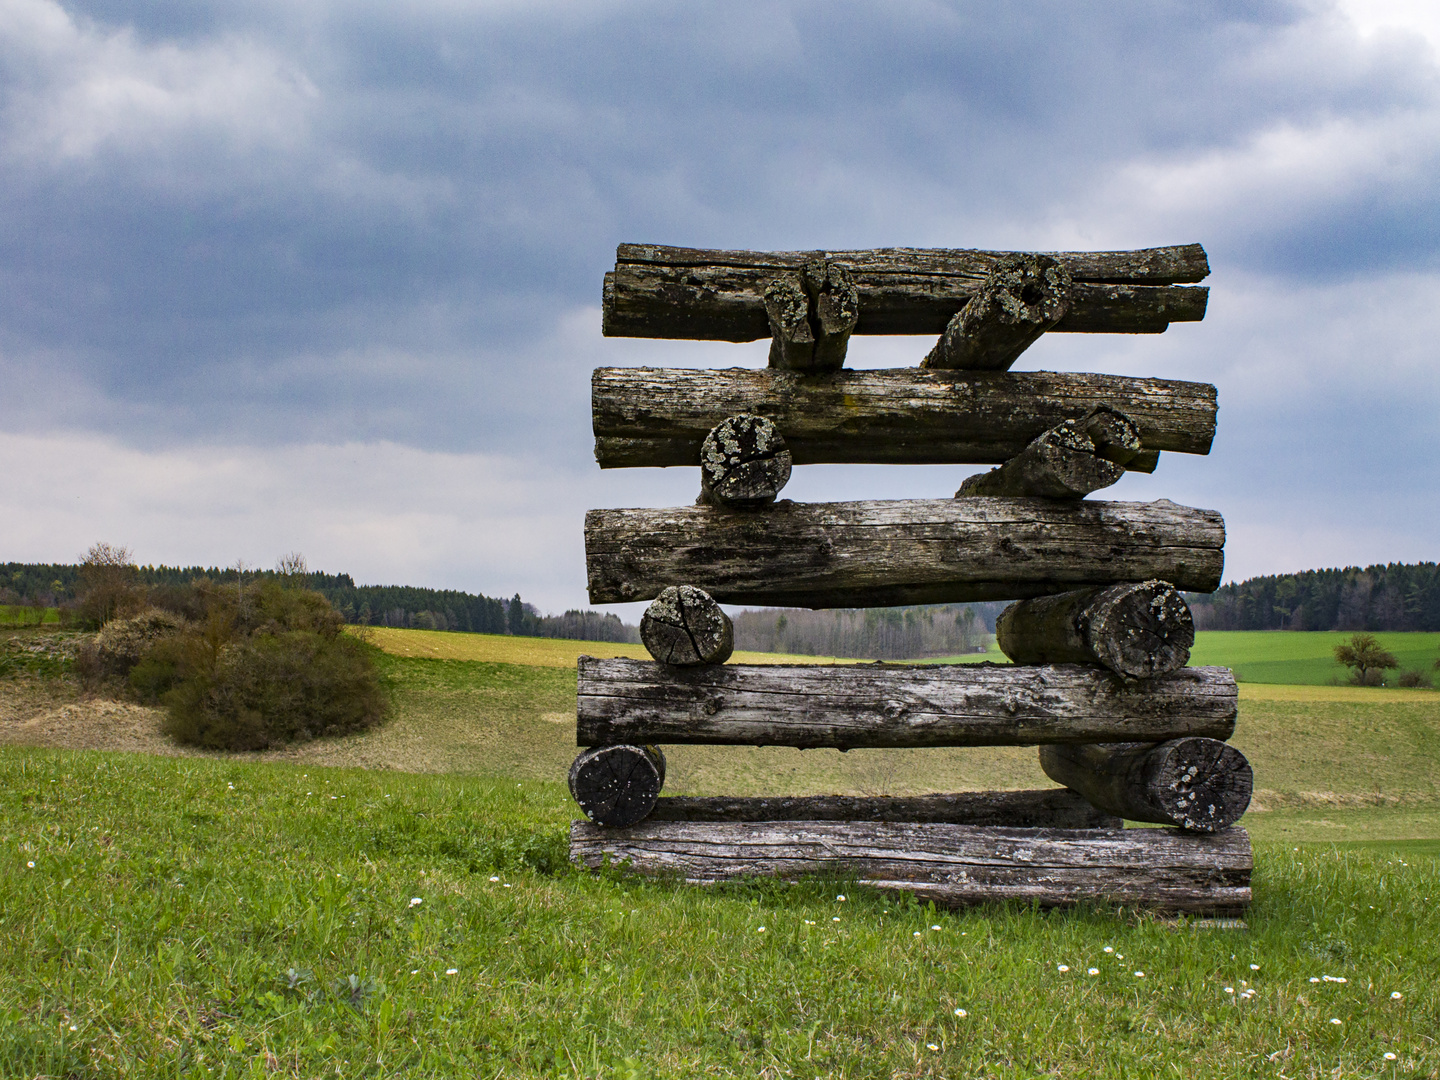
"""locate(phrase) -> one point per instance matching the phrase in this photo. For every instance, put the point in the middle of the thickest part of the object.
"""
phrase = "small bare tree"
(292, 566)
(107, 583)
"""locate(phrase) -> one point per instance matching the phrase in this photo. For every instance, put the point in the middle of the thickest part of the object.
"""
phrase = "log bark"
(1193, 783)
(953, 865)
(1067, 462)
(811, 313)
(847, 706)
(1051, 808)
(1140, 630)
(684, 627)
(889, 552)
(617, 785)
(902, 416)
(719, 295)
(1021, 298)
(743, 464)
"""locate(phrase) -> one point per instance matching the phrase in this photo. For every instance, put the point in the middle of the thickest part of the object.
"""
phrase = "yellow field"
(1369, 695)
(536, 652)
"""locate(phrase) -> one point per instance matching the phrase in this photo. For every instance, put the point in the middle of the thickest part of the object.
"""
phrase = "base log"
(1194, 783)
(953, 865)
(1139, 629)
(617, 785)
(1049, 808)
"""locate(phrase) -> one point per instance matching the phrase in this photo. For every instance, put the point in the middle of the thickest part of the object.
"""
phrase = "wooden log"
(953, 865)
(1069, 461)
(846, 706)
(1193, 783)
(1050, 808)
(1021, 298)
(719, 295)
(901, 416)
(811, 313)
(684, 627)
(617, 785)
(889, 552)
(743, 464)
(1139, 629)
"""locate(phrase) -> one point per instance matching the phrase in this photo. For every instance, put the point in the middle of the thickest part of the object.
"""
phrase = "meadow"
(400, 904)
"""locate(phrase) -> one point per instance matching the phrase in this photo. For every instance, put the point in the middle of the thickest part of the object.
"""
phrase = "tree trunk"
(720, 295)
(684, 627)
(952, 865)
(1140, 630)
(617, 785)
(845, 706)
(902, 416)
(1051, 808)
(889, 552)
(1193, 783)
(743, 464)
(811, 313)
(1021, 298)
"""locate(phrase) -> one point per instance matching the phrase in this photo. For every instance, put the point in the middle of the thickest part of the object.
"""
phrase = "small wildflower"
(1139, 974)
(230, 786)
(506, 885)
(1229, 989)
(809, 922)
(415, 900)
(494, 878)
(835, 918)
(1062, 968)
(917, 933)
(72, 1026)
(1092, 971)
(31, 864)
(1389, 1056)
(1335, 1020)
(935, 927)
(452, 971)
(1109, 949)
(841, 898)
(961, 1013)
(1254, 967)
(1314, 978)
(415, 971)
(760, 930)
(928, 1046)
(1396, 996)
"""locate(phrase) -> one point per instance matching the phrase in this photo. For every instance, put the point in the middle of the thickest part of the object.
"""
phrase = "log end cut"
(617, 786)
(684, 627)
(743, 463)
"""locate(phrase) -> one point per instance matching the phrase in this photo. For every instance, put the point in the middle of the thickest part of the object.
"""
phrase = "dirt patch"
(35, 713)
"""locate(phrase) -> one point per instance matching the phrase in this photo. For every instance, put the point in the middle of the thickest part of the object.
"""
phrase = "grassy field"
(15, 615)
(1299, 657)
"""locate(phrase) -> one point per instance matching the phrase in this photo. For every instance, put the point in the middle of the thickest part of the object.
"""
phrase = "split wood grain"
(1048, 808)
(953, 865)
(901, 551)
(684, 627)
(660, 416)
(719, 295)
(845, 706)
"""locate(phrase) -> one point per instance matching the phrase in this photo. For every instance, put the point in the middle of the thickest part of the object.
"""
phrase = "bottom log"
(953, 865)
(1049, 808)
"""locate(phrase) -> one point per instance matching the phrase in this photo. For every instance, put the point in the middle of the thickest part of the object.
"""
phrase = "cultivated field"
(257, 915)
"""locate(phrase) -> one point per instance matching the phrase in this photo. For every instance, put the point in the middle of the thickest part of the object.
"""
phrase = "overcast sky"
(282, 276)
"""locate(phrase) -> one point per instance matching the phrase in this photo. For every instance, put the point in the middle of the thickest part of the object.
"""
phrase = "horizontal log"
(1049, 808)
(900, 416)
(953, 865)
(845, 706)
(1140, 630)
(1199, 784)
(900, 551)
(719, 295)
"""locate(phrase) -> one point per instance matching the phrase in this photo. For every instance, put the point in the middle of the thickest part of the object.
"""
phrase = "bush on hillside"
(250, 666)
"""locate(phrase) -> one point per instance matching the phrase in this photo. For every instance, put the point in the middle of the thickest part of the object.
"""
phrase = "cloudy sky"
(325, 277)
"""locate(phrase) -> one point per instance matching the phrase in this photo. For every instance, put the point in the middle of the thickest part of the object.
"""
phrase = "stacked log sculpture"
(1099, 635)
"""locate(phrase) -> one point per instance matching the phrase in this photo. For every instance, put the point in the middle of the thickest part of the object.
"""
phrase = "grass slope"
(210, 919)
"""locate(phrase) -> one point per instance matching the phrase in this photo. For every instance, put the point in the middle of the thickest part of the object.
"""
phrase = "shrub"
(122, 642)
(1413, 678)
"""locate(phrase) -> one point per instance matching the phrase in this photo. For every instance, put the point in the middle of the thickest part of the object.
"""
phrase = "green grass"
(213, 919)
(16, 615)
(1302, 657)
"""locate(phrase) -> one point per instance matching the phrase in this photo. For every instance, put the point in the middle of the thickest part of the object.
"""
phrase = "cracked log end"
(684, 627)
(617, 785)
(1021, 298)
(1198, 784)
(812, 313)
(743, 463)
(1140, 629)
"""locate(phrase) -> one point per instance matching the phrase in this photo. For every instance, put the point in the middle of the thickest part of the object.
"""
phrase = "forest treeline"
(1395, 596)
(903, 633)
(58, 584)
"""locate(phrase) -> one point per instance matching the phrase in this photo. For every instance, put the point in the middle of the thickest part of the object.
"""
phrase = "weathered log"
(846, 706)
(1137, 629)
(660, 416)
(743, 463)
(719, 295)
(953, 865)
(811, 313)
(684, 627)
(617, 785)
(1021, 298)
(1194, 783)
(1067, 462)
(888, 552)
(1050, 808)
